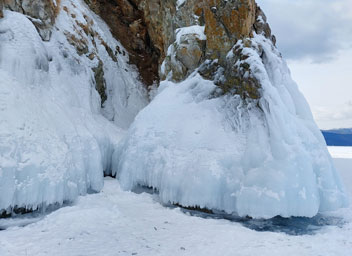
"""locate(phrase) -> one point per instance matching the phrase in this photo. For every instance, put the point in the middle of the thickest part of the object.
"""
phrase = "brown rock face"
(148, 30)
(1, 7)
(128, 25)
(225, 22)
(159, 17)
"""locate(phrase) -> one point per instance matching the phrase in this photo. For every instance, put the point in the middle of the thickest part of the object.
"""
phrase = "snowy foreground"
(115, 222)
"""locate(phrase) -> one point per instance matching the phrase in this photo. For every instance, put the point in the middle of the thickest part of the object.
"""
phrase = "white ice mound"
(228, 154)
(54, 142)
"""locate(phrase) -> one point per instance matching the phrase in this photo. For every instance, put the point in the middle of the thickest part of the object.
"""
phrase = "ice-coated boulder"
(235, 134)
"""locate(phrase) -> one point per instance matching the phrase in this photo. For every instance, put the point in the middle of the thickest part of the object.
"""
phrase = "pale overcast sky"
(315, 38)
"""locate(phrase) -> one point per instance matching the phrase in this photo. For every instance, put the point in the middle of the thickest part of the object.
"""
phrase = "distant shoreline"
(338, 137)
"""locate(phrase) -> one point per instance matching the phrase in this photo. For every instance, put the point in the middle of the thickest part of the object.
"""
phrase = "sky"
(315, 38)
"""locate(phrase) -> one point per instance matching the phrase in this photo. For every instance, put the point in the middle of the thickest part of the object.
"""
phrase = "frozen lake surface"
(115, 222)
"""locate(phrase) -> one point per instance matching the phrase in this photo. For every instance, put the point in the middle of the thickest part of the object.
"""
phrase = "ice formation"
(247, 146)
(252, 158)
(55, 143)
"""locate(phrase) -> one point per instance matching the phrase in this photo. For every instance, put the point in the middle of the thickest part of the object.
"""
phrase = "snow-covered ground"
(116, 222)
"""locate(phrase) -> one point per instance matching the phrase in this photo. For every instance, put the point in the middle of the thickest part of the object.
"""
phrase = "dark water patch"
(294, 226)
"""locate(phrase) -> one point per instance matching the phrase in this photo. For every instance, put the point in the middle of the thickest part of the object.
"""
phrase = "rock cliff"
(153, 33)
(158, 42)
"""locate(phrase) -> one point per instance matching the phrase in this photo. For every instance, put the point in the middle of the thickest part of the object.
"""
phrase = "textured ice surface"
(229, 154)
(220, 153)
(115, 222)
(54, 141)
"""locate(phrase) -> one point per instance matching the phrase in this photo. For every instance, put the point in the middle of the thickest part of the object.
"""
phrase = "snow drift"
(258, 158)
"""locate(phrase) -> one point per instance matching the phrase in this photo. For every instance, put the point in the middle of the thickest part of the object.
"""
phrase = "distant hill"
(338, 137)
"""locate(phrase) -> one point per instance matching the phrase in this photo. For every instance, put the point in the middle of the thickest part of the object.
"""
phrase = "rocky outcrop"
(170, 41)
(127, 23)
(225, 23)
(42, 13)
(229, 130)
(1, 12)
(151, 31)
(166, 40)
